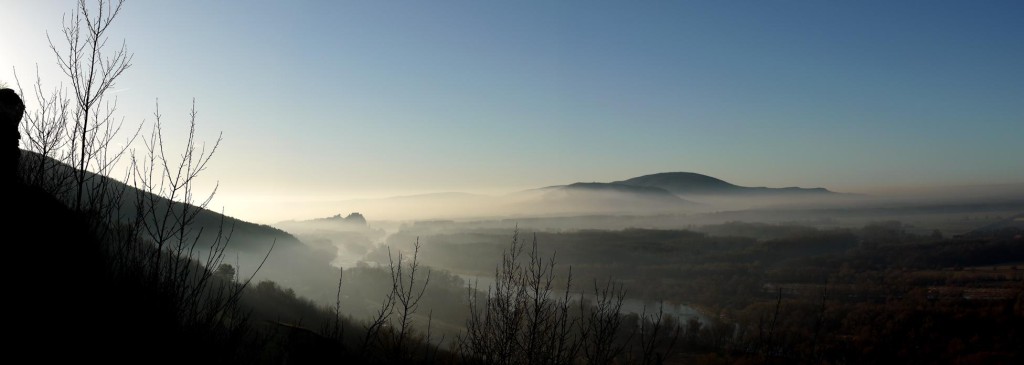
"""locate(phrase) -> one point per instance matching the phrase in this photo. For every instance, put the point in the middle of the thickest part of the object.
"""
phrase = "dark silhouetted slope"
(244, 235)
(291, 263)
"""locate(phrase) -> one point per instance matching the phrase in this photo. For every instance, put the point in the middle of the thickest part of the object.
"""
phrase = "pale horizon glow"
(333, 101)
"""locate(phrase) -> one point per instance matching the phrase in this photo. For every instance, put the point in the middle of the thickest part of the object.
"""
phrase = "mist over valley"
(529, 182)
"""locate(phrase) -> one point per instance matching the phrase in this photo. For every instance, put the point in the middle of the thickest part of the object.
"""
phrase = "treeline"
(790, 294)
(675, 265)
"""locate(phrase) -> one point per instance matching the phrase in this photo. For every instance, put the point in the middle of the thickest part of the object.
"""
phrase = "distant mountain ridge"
(690, 183)
(663, 193)
(592, 190)
(650, 191)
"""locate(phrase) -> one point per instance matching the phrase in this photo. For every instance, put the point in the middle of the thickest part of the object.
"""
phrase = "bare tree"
(335, 329)
(73, 130)
(372, 331)
(494, 323)
(390, 332)
(520, 320)
(44, 131)
(604, 321)
(408, 295)
(165, 198)
(655, 344)
(151, 238)
(92, 71)
(74, 133)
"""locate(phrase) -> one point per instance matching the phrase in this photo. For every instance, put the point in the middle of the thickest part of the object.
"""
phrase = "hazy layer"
(523, 204)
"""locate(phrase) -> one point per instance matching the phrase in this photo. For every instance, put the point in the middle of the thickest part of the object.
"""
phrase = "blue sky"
(325, 99)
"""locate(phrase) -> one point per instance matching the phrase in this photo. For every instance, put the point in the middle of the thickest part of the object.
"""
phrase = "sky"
(325, 100)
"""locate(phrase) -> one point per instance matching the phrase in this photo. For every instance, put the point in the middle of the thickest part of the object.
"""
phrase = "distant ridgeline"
(670, 184)
(354, 219)
(689, 183)
(669, 192)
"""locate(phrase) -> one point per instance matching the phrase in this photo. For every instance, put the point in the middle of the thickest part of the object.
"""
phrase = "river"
(681, 312)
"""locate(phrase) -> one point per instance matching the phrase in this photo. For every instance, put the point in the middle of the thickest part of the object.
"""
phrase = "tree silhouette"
(92, 71)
